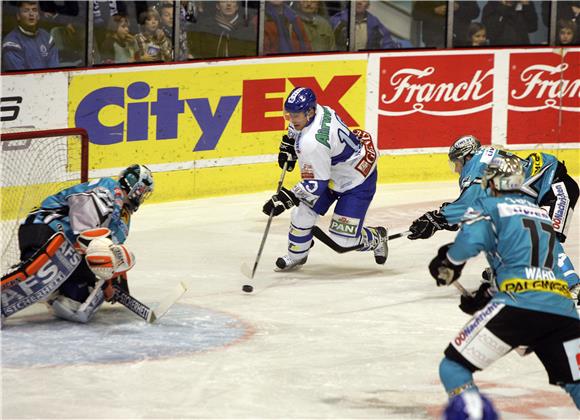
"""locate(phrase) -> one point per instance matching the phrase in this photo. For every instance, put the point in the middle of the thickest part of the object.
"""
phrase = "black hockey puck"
(247, 288)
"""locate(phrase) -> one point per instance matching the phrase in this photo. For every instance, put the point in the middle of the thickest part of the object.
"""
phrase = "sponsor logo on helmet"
(292, 98)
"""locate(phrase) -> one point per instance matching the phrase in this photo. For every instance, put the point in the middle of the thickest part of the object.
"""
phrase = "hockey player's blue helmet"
(463, 147)
(506, 171)
(137, 182)
(470, 405)
(301, 99)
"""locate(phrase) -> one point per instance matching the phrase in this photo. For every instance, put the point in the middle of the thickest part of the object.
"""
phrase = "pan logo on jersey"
(344, 226)
(561, 207)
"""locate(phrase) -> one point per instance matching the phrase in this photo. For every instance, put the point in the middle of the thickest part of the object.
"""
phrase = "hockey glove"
(287, 154)
(425, 226)
(107, 260)
(442, 270)
(472, 304)
(284, 200)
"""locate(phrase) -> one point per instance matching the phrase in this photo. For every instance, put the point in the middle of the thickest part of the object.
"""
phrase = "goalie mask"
(463, 147)
(137, 182)
(506, 172)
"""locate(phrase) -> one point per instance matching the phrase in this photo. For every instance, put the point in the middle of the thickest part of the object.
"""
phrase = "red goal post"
(34, 165)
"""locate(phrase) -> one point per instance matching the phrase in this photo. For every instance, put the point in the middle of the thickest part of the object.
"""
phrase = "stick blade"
(167, 303)
(247, 271)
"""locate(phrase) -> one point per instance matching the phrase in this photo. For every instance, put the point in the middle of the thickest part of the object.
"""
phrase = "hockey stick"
(462, 289)
(245, 267)
(145, 312)
(327, 240)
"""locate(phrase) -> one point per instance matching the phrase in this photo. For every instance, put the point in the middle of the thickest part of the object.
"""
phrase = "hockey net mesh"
(34, 165)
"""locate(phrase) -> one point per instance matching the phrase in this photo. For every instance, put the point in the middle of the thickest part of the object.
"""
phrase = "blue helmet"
(470, 405)
(300, 100)
(137, 182)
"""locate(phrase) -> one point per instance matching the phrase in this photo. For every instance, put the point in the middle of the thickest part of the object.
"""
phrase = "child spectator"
(477, 35)
(284, 31)
(567, 32)
(166, 13)
(225, 34)
(371, 34)
(27, 47)
(152, 44)
(119, 45)
(318, 29)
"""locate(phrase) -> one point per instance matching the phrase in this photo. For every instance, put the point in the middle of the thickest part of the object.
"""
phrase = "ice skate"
(287, 263)
(382, 249)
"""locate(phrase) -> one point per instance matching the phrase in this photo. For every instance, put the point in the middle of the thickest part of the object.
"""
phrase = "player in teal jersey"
(546, 182)
(531, 305)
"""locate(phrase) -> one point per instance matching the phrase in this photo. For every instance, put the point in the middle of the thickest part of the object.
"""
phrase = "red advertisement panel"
(544, 98)
(429, 100)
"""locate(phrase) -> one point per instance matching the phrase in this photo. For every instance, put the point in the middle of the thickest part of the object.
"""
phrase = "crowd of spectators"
(48, 34)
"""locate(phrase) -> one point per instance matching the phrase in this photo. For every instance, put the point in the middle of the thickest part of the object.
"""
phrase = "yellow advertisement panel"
(217, 114)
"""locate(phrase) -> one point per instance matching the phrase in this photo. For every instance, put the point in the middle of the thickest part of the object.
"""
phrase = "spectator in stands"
(152, 44)
(284, 31)
(227, 33)
(509, 22)
(476, 35)
(567, 10)
(370, 34)
(65, 22)
(315, 18)
(119, 45)
(567, 32)
(28, 47)
(166, 13)
(433, 15)
(103, 11)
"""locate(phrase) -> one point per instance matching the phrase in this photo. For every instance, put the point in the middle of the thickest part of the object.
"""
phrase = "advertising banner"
(34, 101)
(544, 97)
(217, 113)
(426, 100)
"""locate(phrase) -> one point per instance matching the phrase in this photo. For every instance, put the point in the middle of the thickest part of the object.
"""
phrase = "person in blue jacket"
(101, 208)
(28, 47)
(531, 304)
(377, 36)
(547, 183)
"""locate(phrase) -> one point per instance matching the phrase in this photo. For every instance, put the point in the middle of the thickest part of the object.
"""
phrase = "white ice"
(341, 338)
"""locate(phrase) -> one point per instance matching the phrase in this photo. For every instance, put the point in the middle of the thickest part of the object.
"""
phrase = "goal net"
(34, 165)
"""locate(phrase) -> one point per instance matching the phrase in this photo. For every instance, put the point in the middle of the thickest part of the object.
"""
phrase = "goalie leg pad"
(37, 278)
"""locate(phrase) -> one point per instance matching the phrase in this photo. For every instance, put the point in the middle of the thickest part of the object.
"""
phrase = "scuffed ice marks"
(115, 336)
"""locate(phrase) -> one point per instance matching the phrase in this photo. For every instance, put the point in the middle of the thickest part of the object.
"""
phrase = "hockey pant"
(561, 200)
(497, 329)
(346, 225)
(31, 237)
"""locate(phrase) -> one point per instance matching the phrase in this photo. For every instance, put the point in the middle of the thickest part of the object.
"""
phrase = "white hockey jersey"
(328, 151)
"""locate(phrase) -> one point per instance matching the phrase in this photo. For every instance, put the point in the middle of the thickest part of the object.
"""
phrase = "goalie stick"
(327, 240)
(145, 312)
(246, 271)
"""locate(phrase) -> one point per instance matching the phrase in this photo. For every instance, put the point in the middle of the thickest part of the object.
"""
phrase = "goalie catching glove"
(425, 226)
(287, 154)
(107, 260)
(442, 270)
(279, 202)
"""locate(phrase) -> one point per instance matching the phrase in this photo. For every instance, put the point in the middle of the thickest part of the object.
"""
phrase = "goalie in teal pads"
(529, 304)
(94, 218)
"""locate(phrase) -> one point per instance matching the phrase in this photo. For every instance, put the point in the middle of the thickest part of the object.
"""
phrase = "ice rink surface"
(340, 338)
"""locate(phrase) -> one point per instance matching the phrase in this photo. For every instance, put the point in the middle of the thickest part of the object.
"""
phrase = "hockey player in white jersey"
(336, 165)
